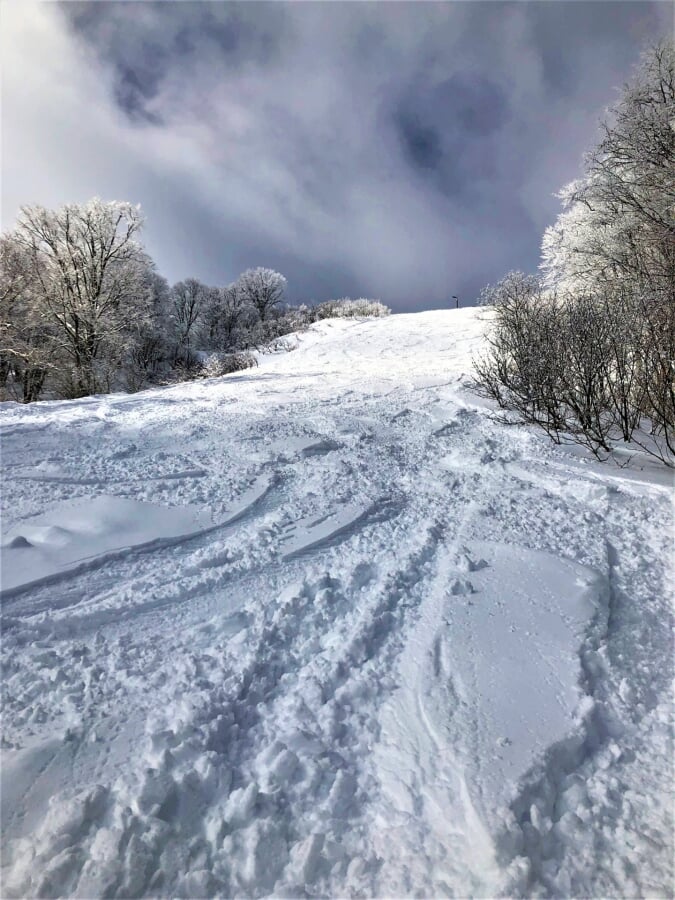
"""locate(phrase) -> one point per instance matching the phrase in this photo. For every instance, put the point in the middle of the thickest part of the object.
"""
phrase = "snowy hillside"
(323, 628)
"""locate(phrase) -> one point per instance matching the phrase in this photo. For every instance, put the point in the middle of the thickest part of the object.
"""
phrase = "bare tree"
(229, 318)
(189, 301)
(152, 348)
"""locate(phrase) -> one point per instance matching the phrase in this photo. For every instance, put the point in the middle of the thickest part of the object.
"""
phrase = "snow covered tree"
(25, 335)
(263, 289)
(85, 285)
(618, 221)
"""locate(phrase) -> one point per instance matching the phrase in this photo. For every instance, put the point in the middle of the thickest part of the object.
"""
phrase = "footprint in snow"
(321, 448)
(461, 587)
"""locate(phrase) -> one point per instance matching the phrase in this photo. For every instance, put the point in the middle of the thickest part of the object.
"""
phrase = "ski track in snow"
(405, 652)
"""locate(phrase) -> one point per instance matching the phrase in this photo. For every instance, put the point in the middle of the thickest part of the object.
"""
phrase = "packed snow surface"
(325, 628)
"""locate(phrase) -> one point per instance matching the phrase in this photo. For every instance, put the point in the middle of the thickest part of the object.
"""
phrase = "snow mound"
(86, 531)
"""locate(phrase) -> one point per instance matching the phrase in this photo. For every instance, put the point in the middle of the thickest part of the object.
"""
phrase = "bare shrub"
(588, 369)
(520, 369)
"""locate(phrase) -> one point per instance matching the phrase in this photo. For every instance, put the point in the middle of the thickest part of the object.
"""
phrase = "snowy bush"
(280, 345)
(217, 364)
(346, 308)
(209, 365)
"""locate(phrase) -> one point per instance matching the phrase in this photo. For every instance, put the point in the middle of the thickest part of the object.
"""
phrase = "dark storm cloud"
(132, 91)
(421, 140)
(145, 45)
(404, 150)
(601, 29)
(451, 132)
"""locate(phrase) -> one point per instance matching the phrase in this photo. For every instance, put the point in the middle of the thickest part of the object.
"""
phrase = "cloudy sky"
(406, 151)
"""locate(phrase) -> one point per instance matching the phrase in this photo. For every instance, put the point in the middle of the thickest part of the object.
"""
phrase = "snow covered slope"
(324, 629)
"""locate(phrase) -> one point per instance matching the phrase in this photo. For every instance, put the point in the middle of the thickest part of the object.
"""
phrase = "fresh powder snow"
(326, 628)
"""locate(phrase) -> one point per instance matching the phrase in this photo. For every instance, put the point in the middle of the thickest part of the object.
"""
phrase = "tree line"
(585, 349)
(83, 309)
